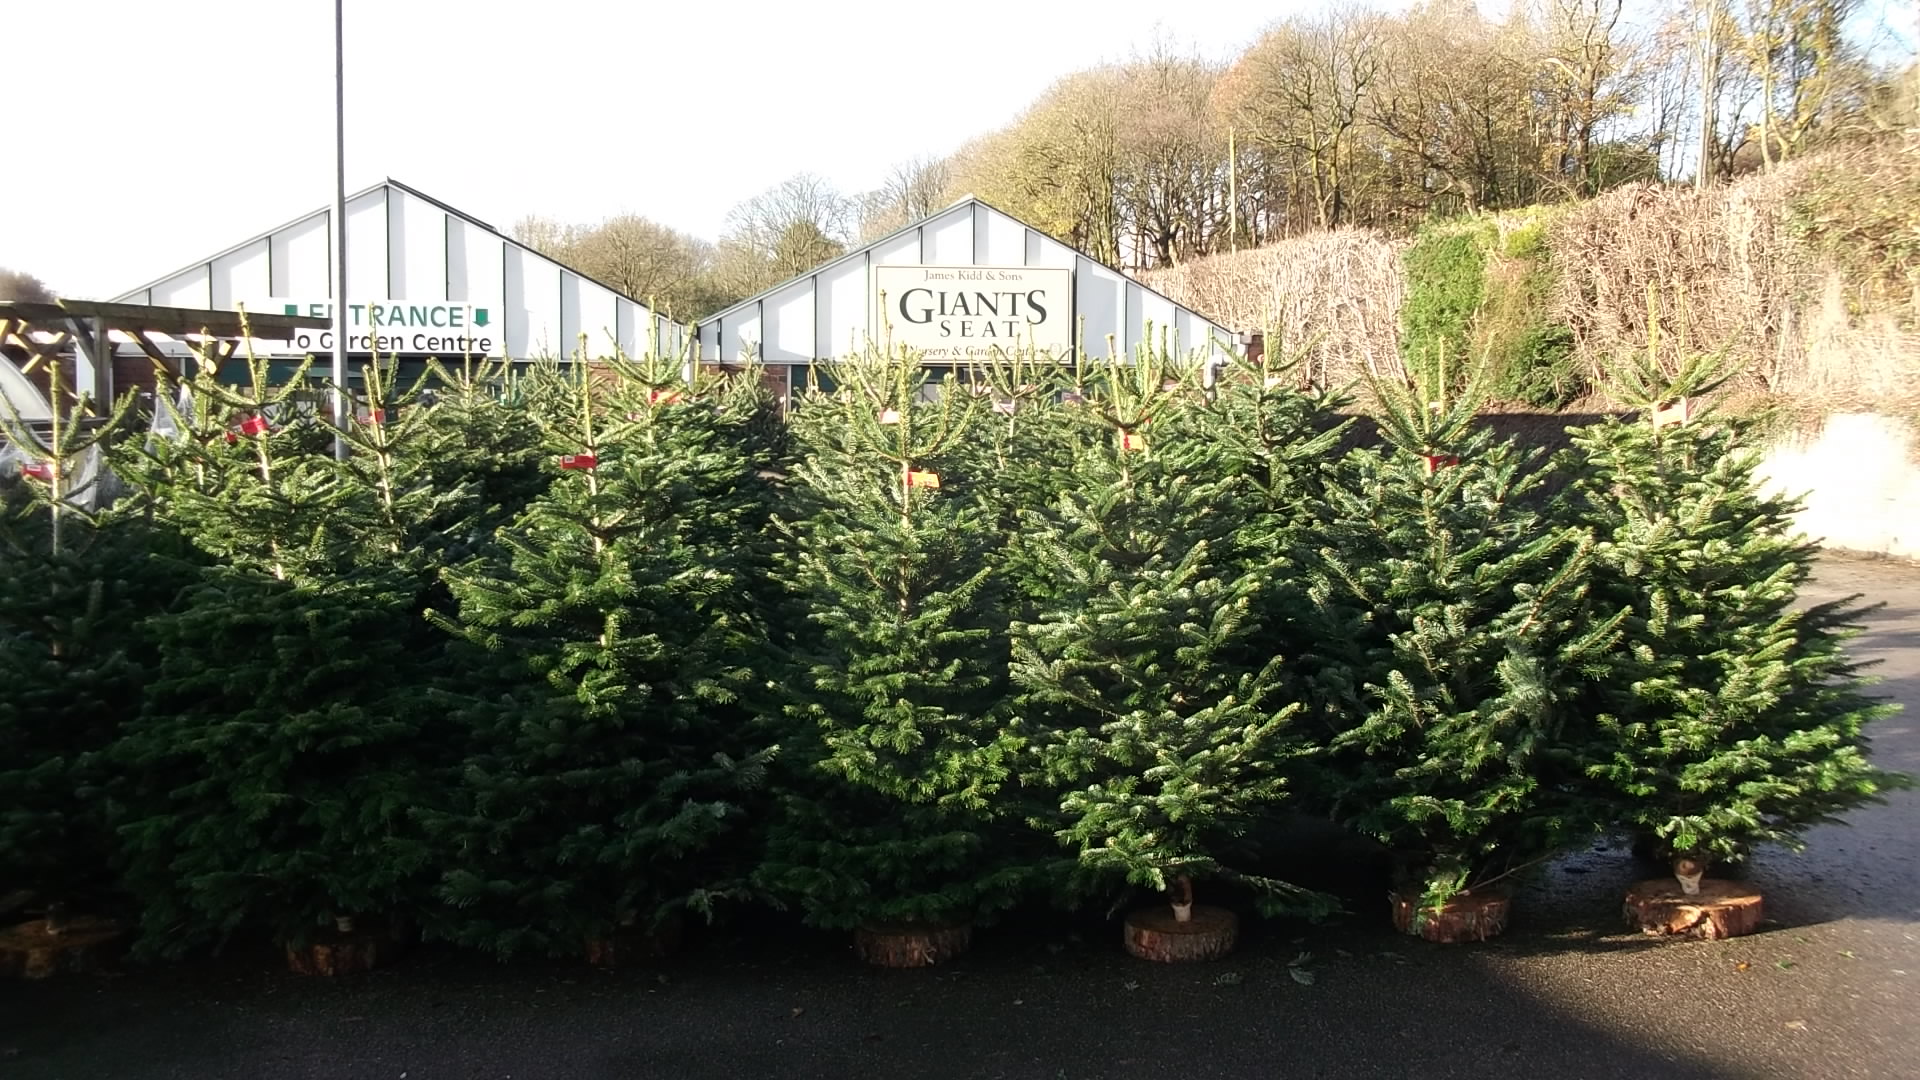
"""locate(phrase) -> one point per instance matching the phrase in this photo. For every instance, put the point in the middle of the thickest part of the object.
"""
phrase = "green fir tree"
(1458, 637)
(1160, 727)
(270, 775)
(1734, 715)
(610, 764)
(896, 805)
(76, 578)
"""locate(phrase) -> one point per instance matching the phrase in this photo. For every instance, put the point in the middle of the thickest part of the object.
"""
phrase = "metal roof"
(389, 182)
(965, 200)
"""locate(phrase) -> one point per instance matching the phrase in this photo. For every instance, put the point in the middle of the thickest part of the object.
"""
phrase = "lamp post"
(339, 217)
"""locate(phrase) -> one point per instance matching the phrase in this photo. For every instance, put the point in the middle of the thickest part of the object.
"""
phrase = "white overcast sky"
(157, 133)
(163, 132)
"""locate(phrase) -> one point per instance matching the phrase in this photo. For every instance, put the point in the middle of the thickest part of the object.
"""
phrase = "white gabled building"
(955, 285)
(423, 279)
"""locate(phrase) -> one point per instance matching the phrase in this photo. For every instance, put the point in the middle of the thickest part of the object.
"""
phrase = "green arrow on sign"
(479, 316)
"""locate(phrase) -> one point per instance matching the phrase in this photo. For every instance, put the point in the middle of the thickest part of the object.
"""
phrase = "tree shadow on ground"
(1041, 997)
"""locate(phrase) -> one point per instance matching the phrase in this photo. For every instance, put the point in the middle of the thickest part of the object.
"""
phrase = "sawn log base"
(343, 952)
(1467, 916)
(1154, 934)
(905, 945)
(628, 946)
(1721, 909)
(84, 944)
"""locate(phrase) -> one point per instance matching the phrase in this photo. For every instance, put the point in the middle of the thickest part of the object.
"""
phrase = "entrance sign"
(958, 313)
(432, 328)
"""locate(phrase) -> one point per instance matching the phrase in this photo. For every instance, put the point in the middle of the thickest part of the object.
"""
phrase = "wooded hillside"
(1345, 117)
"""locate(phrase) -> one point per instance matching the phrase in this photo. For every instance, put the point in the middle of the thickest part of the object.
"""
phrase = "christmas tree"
(1458, 637)
(1277, 433)
(480, 436)
(1020, 449)
(270, 775)
(1733, 715)
(895, 807)
(76, 578)
(1157, 721)
(608, 765)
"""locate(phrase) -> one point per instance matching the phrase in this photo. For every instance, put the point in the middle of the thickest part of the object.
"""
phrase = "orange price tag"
(917, 478)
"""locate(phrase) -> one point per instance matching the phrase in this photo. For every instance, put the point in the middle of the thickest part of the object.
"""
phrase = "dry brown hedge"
(1808, 276)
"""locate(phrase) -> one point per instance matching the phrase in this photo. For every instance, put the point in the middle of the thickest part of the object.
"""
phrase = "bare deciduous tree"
(783, 231)
(913, 190)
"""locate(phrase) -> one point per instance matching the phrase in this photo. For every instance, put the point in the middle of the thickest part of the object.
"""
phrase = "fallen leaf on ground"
(1742, 966)
(1301, 976)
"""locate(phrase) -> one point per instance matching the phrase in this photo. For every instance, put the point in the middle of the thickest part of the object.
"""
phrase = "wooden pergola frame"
(87, 327)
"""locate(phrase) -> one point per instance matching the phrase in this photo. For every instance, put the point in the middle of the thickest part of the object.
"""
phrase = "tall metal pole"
(339, 230)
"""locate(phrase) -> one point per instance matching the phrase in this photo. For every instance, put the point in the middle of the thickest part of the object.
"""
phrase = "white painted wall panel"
(625, 334)
(1192, 331)
(532, 306)
(597, 319)
(902, 250)
(475, 266)
(302, 259)
(1044, 250)
(1149, 314)
(1000, 240)
(740, 333)
(1096, 302)
(790, 330)
(949, 238)
(189, 288)
(240, 277)
(710, 341)
(417, 260)
(367, 245)
(843, 310)
(569, 342)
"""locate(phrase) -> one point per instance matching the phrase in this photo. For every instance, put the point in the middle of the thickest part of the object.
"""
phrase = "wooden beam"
(127, 318)
(160, 359)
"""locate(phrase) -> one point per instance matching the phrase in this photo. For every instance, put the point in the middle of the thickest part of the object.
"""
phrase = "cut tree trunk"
(909, 945)
(1467, 916)
(629, 945)
(83, 944)
(1156, 934)
(1721, 909)
(343, 952)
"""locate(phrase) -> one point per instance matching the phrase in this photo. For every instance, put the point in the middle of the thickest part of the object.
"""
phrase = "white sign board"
(424, 328)
(955, 313)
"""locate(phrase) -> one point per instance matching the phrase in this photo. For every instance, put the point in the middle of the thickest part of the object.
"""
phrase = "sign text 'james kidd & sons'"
(953, 313)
